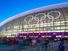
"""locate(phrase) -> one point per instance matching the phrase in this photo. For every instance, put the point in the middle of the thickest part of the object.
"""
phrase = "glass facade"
(55, 20)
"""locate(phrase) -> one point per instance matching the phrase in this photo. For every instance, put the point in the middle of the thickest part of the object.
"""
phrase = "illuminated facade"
(45, 20)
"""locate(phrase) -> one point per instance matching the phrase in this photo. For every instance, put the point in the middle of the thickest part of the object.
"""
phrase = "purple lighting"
(43, 34)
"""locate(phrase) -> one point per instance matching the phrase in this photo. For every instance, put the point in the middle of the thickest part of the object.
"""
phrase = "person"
(20, 42)
(46, 43)
(14, 41)
(10, 41)
(5, 40)
(29, 41)
(61, 45)
(34, 42)
(40, 40)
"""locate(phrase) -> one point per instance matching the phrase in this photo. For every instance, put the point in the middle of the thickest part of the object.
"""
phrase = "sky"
(10, 8)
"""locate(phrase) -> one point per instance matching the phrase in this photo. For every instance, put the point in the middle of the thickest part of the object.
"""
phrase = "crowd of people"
(30, 41)
(23, 41)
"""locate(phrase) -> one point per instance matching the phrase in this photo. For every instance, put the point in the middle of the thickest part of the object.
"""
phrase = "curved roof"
(61, 5)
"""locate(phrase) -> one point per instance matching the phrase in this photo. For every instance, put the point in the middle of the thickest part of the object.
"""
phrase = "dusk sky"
(10, 8)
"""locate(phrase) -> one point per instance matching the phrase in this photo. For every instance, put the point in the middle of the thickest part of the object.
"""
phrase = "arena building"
(44, 21)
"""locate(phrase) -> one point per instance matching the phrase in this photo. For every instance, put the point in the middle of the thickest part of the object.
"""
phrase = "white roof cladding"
(49, 7)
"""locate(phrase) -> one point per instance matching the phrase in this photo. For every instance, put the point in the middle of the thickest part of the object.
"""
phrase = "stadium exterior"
(44, 21)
